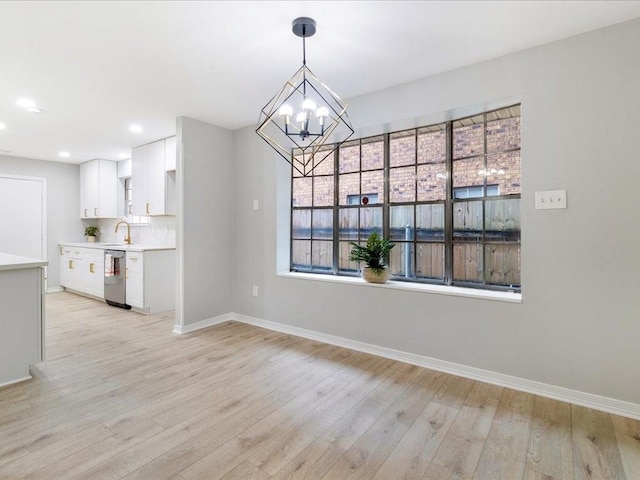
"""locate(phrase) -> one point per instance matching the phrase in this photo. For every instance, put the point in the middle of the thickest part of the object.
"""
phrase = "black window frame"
(449, 240)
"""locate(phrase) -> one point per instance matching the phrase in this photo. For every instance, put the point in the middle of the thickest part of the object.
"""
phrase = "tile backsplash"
(160, 232)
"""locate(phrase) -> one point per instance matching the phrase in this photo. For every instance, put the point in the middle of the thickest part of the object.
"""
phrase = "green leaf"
(374, 254)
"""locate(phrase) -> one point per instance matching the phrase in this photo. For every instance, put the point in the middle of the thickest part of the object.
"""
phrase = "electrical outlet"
(551, 199)
(256, 205)
(255, 290)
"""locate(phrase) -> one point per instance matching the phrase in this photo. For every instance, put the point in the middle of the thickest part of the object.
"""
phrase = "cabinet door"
(82, 257)
(134, 279)
(94, 271)
(139, 180)
(170, 154)
(157, 179)
(108, 190)
(65, 267)
(89, 189)
(149, 179)
(98, 189)
(75, 265)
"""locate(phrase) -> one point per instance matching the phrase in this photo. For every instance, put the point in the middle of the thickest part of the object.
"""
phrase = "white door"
(22, 216)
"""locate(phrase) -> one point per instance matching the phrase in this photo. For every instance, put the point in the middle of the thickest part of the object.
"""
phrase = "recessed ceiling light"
(3, 126)
(25, 103)
(64, 154)
(29, 105)
(135, 128)
(124, 155)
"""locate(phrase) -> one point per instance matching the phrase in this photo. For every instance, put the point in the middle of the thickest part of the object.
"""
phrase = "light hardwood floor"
(121, 397)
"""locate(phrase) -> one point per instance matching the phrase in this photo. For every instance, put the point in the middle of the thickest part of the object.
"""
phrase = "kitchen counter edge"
(16, 262)
(110, 246)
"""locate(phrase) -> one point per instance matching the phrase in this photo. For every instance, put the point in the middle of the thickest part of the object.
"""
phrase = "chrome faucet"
(127, 239)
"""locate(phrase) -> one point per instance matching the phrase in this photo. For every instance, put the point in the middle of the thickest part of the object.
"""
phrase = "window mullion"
(336, 211)
(448, 209)
(386, 231)
(291, 220)
(484, 200)
(413, 244)
(360, 190)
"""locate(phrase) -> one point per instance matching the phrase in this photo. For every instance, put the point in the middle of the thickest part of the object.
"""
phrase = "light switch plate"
(256, 204)
(551, 199)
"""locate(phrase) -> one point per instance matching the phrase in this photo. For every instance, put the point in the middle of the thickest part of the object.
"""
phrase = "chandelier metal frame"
(309, 141)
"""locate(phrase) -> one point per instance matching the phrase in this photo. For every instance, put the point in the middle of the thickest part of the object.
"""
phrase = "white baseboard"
(209, 322)
(576, 397)
(54, 289)
(18, 380)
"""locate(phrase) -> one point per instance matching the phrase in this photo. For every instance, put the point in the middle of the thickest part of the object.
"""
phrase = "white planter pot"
(91, 239)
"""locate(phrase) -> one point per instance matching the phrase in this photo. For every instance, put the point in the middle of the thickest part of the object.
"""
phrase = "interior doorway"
(23, 216)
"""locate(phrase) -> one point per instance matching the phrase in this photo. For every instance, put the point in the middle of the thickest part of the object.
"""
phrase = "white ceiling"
(97, 67)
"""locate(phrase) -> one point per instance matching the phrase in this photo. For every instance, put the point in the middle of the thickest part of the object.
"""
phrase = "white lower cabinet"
(134, 280)
(66, 267)
(150, 280)
(94, 271)
(149, 277)
(82, 270)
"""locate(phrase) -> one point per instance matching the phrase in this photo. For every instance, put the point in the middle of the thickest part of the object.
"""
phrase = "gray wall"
(63, 220)
(204, 231)
(577, 326)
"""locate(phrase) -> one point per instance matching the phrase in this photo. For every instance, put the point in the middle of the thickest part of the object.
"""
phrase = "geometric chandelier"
(305, 122)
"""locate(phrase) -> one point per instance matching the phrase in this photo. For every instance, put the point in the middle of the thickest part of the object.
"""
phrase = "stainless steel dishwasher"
(115, 292)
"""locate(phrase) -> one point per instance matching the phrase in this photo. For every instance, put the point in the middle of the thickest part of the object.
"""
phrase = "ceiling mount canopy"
(305, 122)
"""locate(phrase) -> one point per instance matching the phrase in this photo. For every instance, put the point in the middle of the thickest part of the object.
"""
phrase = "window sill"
(510, 297)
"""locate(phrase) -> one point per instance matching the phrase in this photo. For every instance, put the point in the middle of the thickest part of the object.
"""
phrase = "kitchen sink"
(112, 244)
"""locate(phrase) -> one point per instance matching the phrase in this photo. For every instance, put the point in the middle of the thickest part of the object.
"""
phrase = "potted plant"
(91, 231)
(373, 254)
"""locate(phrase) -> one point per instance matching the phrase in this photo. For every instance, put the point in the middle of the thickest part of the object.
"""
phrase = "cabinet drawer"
(135, 261)
(96, 256)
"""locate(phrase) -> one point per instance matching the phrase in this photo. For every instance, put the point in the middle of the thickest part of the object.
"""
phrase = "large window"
(448, 195)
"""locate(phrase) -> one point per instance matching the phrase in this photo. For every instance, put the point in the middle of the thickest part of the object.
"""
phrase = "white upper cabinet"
(99, 189)
(139, 180)
(149, 183)
(170, 154)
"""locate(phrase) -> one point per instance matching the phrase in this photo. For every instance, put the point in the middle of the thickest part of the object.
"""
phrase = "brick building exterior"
(417, 166)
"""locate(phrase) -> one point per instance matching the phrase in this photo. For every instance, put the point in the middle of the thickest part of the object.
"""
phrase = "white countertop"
(117, 246)
(15, 262)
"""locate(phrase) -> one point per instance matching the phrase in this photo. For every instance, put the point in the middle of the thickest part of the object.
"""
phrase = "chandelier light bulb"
(322, 112)
(308, 105)
(285, 111)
